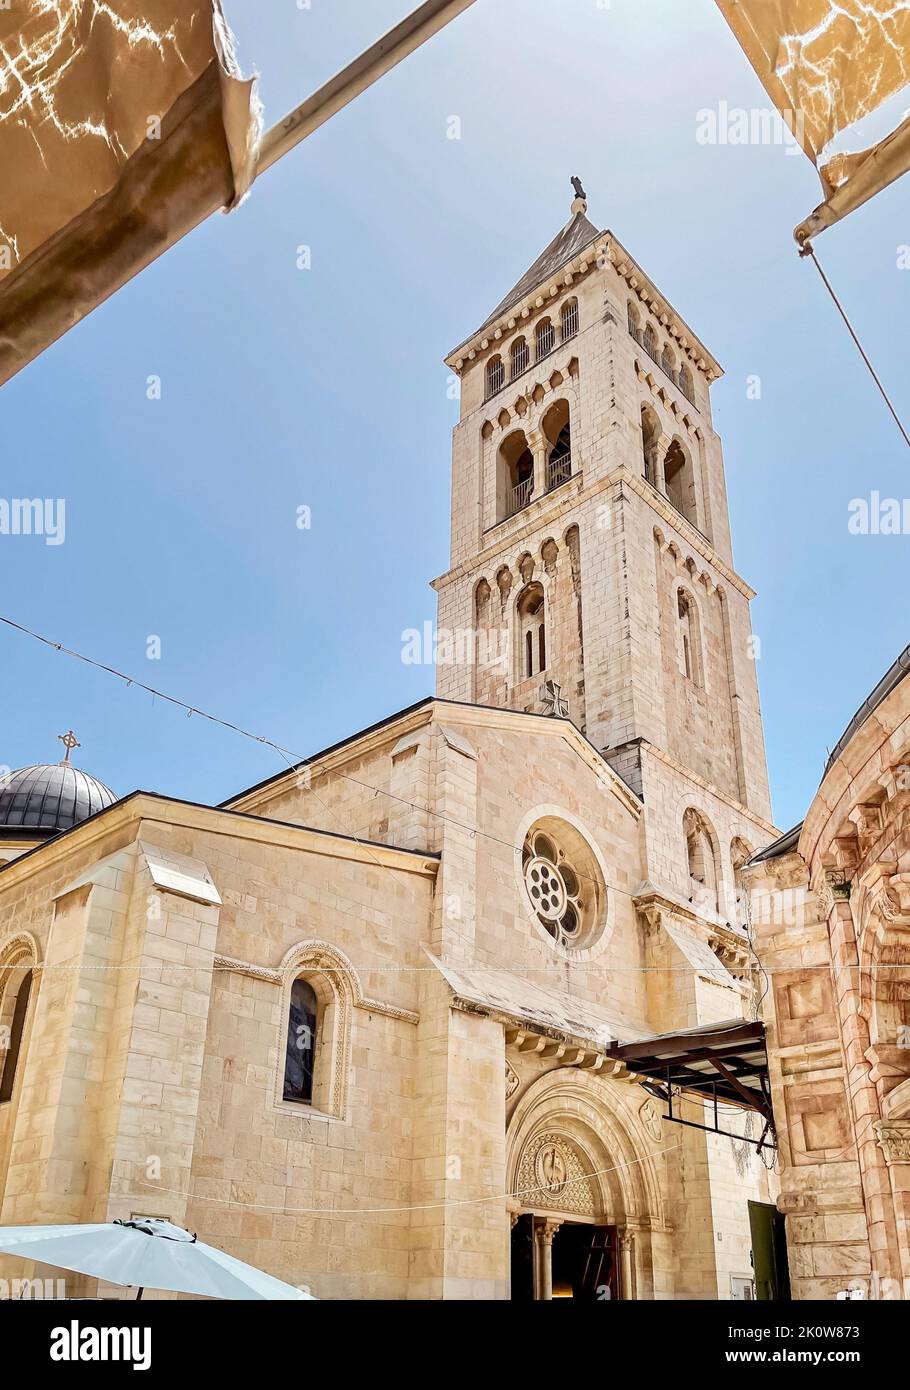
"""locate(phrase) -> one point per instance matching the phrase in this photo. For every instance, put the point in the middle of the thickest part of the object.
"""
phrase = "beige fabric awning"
(122, 126)
(827, 64)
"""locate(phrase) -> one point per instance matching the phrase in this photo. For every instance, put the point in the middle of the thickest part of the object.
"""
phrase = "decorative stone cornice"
(715, 792)
(732, 950)
(535, 302)
(731, 947)
(553, 506)
(646, 291)
(685, 562)
(129, 819)
(604, 249)
(530, 395)
(668, 400)
(553, 1045)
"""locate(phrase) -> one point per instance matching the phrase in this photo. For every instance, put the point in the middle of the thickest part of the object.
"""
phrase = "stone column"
(660, 451)
(537, 443)
(543, 1247)
(652, 466)
(627, 1264)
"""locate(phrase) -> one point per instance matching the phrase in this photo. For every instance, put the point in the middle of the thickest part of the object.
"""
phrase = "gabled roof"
(578, 233)
(287, 775)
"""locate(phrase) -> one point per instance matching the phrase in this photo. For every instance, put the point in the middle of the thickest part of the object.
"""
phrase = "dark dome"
(50, 797)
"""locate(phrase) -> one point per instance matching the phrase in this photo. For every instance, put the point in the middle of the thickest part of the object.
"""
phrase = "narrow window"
(17, 1025)
(546, 338)
(569, 320)
(531, 654)
(496, 376)
(300, 1055)
(521, 357)
(690, 647)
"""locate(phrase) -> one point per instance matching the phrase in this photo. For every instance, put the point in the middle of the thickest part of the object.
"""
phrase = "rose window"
(557, 890)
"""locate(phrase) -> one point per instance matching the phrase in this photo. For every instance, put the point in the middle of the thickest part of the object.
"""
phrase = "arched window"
(569, 325)
(302, 1041)
(16, 1025)
(532, 632)
(649, 341)
(557, 431)
(689, 638)
(686, 384)
(650, 441)
(700, 861)
(634, 320)
(521, 357)
(546, 338)
(496, 376)
(514, 475)
(666, 361)
(679, 476)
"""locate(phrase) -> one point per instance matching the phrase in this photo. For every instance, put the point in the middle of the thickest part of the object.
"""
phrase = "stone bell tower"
(591, 560)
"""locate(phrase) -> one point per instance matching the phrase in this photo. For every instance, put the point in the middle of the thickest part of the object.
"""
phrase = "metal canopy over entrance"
(721, 1063)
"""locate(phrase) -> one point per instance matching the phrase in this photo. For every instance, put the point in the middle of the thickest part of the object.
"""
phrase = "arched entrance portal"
(584, 1192)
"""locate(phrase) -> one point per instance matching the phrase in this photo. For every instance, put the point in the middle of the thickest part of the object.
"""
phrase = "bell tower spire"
(590, 536)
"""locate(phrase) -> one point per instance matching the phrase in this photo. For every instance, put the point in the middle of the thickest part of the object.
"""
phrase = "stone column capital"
(546, 1230)
(893, 1138)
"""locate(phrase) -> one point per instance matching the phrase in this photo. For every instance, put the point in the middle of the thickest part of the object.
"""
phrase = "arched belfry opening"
(650, 446)
(557, 430)
(585, 1195)
(679, 479)
(514, 475)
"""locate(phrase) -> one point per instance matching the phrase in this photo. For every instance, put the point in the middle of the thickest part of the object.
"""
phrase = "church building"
(359, 1025)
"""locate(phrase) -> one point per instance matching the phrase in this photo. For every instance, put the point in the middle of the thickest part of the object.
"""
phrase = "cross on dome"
(69, 741)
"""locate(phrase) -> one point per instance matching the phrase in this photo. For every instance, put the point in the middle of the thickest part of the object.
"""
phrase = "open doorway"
(578, 1261)
(585, 1265)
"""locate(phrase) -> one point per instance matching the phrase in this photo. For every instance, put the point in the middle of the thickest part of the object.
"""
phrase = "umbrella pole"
(139, 1295)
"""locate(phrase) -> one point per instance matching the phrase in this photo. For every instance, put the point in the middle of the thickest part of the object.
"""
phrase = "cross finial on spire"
(69, 741)
(580, 201)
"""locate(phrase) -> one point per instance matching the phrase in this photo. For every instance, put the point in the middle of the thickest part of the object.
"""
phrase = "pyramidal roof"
(578, 233)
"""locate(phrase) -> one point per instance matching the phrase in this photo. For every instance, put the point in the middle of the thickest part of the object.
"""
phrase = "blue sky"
(325, 388)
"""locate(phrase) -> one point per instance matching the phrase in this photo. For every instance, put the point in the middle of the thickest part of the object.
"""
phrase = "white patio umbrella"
(145, 1254)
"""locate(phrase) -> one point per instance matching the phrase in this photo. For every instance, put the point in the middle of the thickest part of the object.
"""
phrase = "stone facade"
(830, 906)
(483, 892)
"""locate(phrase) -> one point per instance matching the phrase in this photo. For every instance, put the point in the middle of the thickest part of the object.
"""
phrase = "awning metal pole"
(384, 55)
